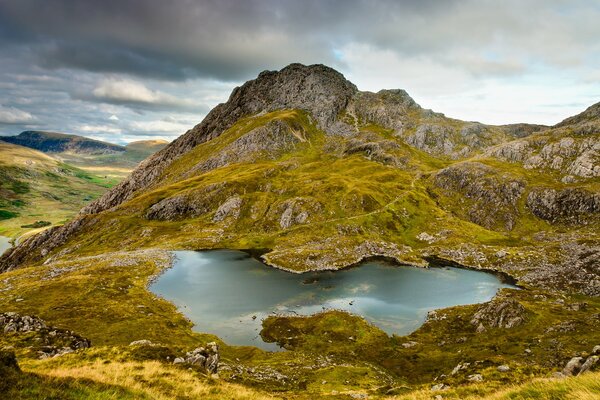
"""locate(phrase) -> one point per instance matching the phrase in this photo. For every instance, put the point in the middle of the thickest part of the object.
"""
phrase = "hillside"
(53, 142)
(309, 173)
(36, 187)
(147, 146)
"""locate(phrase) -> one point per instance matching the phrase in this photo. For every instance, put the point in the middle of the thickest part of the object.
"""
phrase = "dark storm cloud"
(232, 40)
(146, 60)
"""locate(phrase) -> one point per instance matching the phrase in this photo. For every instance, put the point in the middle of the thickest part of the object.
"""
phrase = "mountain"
(308, 173)
(53, 142)
(301, 163)
(37, 190)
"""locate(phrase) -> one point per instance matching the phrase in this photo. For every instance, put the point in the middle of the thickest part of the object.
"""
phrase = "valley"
(42, 186)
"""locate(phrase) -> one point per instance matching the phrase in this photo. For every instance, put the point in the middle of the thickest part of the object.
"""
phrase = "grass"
(35, 186)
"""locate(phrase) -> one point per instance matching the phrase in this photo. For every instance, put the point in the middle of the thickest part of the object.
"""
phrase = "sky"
(124, 70)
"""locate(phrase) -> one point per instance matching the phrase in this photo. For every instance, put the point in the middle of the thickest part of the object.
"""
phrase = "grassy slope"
(34, 186)
(113, 166)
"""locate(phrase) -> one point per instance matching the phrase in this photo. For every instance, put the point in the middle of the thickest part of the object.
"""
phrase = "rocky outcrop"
(388, 108)
(381, 151)
(499, 313)
(555, 149)
(297, 211)
(571, 205)
(189, 204)
(206, 358)
(492, 196)
(230, 208)
(50, 341)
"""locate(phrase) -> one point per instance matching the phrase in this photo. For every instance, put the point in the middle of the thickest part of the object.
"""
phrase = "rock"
(491, 197)
(203, 357)
(359, 395)
(426, 237)
(231, 208)
(143, 342)
(499, 313)
(588, 364)
(56, 341)
(408, 345)
(503, 368)
(573, 366)
(571, 205)
(475, 378)
(439, 386)
(596, 350)
(460, 367)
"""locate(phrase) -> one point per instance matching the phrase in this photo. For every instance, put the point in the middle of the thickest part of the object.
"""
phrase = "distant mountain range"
(55, 142)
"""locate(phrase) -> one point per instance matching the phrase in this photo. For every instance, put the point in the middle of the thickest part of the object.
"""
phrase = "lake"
(222, 291)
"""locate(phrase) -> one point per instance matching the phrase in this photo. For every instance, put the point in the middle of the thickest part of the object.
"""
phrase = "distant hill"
(35, 187)
(54, 142)
(147, 146)
(95, 156)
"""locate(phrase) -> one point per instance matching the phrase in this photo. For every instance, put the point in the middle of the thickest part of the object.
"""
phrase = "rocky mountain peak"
(590, 115)
(318, 89)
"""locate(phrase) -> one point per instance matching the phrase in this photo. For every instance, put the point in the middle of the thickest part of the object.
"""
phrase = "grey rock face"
(189, 205)
(555, 149)
(522, 130)
(231, 208)
(374, 150)
(499, 313)
(494, 196)
(573, 366)
(435, 139)
(387, 108)
(571, 205)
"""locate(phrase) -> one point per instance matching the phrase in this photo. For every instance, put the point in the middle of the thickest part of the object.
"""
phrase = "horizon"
(160, 68)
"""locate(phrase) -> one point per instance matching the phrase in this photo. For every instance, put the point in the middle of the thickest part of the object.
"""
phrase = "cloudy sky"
(122, 70)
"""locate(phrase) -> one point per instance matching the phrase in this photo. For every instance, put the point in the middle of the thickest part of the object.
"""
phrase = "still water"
(222, 290)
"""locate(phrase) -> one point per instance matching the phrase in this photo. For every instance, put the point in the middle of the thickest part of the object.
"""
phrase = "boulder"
(573, 366)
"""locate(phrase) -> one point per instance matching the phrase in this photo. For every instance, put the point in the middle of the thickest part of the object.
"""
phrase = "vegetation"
(34, 185)
(341, 193)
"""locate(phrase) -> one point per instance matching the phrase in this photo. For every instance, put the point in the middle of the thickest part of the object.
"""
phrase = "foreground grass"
(72, 377)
